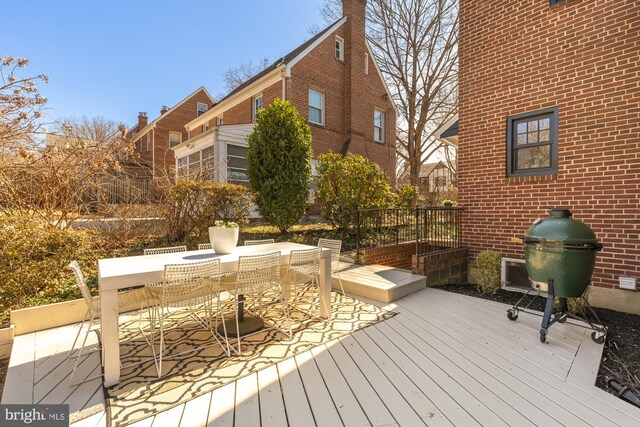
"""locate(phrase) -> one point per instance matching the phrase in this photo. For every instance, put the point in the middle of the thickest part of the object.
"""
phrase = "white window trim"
(366, 63)
(382, 125)
(253, 106)
(175, 133)
(322, 109)
(340, 40)
(198, 104)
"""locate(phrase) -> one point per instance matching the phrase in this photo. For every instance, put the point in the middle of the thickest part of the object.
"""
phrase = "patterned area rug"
(140, 394)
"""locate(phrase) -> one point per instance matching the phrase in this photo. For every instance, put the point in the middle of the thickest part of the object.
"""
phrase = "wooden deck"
(444, 360)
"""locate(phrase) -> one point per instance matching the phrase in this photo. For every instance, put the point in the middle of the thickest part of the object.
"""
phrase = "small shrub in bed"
(194, 206)
(485, 272)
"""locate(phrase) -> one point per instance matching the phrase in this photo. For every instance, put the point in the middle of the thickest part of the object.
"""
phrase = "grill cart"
(560, 254)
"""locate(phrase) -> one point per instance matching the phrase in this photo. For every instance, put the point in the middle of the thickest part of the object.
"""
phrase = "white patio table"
(127, 272)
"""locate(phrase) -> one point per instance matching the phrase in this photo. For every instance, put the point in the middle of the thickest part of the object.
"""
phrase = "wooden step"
(378, 282)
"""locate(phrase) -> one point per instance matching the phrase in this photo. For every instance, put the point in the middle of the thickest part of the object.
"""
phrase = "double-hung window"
(378, 126)
(339, 48)
(237, 165)
(257, 106)
(532, 143)
(175, 138)
(201, 108)
(316, 107)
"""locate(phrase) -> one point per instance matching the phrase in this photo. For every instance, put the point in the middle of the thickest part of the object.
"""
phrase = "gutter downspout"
(285, 73)
(153, 151)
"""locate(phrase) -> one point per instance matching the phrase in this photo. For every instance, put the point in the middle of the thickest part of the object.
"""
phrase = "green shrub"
(194, 206)
(33, 263)
(349, 183)
(485, 272)
(408, 196)
(279, 164)
(574, 305)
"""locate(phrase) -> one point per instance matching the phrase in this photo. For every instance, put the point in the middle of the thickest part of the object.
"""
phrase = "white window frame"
(254, 110)
(198, 112)
(382, 125)
(220, 121)
(205, 127)
(322, 106)
(339, 48)
(366, 63)
(173, 132)
(237, 157)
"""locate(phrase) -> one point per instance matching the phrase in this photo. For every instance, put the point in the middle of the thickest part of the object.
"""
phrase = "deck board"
(444, 360)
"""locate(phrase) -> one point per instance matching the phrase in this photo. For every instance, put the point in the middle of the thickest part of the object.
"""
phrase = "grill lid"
(560, 230)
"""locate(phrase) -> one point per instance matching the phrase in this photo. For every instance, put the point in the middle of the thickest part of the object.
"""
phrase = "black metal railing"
(438, 229)
(432, 229)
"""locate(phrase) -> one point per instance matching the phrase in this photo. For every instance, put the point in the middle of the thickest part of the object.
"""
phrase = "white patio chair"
(91, 319)
(336, 247)
(258, 242)
(167, 250)
(303, 268)
(189, 286)
(259, 275)
(202, 246)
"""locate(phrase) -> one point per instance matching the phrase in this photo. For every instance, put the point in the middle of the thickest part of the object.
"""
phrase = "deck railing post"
(358, 234)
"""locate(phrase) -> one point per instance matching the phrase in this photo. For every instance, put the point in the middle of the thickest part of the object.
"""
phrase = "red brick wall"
(350, 94)
(341, 83)
(398, 256)
(583, 57)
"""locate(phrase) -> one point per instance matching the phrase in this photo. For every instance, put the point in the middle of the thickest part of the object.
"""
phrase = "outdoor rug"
(141, 394)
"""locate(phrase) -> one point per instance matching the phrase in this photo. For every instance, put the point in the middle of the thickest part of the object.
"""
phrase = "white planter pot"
(223, 239)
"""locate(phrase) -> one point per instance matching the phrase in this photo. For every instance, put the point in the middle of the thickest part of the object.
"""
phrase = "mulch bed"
(621, 355)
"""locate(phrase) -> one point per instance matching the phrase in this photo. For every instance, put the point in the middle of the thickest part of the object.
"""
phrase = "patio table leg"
(109, 330)
(325, 287)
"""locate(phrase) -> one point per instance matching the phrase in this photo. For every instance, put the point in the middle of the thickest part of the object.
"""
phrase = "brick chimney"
(164, 109)
(355, 49)
(142, 119)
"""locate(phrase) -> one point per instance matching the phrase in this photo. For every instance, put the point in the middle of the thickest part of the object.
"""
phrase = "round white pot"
(223, 239)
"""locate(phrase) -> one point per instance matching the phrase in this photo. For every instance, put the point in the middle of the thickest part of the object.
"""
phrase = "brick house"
(436, 179)
(333, 81)
(153, 141)
(549, 115)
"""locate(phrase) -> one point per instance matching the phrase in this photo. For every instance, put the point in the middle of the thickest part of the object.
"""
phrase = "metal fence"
(432, 229)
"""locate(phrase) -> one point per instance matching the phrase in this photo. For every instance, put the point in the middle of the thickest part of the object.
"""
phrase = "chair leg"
(79, 357)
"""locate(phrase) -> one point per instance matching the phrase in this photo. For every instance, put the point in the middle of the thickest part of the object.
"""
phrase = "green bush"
(194, 206)
(279, 164)
(349, 183)
(485, 272)
(408, 196)
(33, 263)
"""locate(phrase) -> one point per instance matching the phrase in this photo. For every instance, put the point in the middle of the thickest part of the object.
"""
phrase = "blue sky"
(116, 58)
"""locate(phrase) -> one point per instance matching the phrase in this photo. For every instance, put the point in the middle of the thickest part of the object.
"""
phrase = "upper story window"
(205, 127)
(133, 134)
(532, 143)
(257, 106)
(175, 138)
(366, 63)
(339, 48)
(219, 121)
(378, 126)
(316, 107)
(201, 108)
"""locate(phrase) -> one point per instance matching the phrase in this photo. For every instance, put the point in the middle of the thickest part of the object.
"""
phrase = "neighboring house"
(435, 177)
(333, 81)
(153, 141)
(549, 116)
